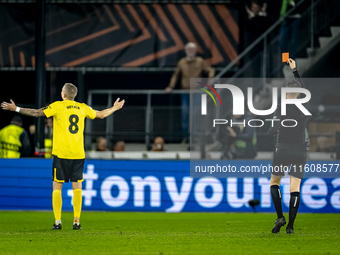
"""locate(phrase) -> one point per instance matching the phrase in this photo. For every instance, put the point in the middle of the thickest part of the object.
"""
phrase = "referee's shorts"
(289, 158)
(64, 170)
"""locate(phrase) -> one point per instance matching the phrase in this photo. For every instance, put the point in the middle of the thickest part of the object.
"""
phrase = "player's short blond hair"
(70, 90)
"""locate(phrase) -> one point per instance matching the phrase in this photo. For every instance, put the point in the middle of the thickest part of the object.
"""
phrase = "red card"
(285, 57)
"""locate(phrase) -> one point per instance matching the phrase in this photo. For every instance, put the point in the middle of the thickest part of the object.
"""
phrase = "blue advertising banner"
(156, 185)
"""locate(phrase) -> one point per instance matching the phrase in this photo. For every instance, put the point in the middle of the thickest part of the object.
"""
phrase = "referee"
(290, 151)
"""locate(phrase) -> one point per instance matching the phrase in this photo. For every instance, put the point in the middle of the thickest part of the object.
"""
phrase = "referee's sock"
(293, 208)
(57, 204)
(277, 200)
(77, 200)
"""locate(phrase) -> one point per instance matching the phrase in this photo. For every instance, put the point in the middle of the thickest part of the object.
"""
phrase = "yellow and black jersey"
(68, 127)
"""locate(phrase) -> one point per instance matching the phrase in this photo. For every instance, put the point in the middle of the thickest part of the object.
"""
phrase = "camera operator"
(238, 140)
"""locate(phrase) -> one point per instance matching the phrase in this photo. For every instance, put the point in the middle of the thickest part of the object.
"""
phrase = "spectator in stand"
(188, 67)
(256, 24)
(48, 137)
(158, 144)
(120, 146)
(101, 144)
(290, 28)
(14, 140)
(322, 145)
(257, 8)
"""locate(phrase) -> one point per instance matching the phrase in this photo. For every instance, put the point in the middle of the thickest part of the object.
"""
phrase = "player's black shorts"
(64, 170)
(288, 157)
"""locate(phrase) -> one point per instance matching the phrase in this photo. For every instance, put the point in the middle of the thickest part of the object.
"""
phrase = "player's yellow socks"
(77, 200)
(57, 203)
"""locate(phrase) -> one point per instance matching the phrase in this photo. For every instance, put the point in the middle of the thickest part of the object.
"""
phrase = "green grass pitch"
(161, 233)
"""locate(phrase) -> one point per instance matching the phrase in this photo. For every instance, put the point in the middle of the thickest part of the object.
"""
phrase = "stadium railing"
(187, 155)
(138, 125)
(312, 21)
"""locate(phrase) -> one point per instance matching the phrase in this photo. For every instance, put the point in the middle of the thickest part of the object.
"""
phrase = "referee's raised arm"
(297, 76)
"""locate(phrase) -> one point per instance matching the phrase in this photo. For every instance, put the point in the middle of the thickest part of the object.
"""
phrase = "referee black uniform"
(291, 147)
(290, 152)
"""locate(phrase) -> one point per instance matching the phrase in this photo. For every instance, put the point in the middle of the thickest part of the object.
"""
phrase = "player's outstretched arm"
(107, 112)
(25, 111)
